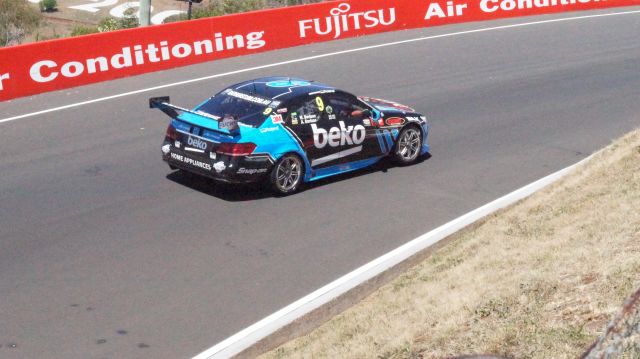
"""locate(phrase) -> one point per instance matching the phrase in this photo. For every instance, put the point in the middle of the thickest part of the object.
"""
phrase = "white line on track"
(310, 58)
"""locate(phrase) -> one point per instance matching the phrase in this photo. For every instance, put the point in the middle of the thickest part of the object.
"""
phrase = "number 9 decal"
(320, 103)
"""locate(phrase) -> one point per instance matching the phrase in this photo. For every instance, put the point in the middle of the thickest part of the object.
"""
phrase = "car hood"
(386, 105)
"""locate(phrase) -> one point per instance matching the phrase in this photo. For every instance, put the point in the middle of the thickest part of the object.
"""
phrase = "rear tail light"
(171, 134)
(236, 149)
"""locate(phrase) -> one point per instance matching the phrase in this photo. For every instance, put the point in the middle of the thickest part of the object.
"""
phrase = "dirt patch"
(538, 280)
(70, 14)
(67, 16)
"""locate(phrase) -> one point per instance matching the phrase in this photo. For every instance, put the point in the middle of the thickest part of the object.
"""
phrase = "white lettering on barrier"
(137, 55)
(490, 6)
(48, 70)
(2, 78)
(340, 21)
(72, 69)
(452, 10)
(36, 71)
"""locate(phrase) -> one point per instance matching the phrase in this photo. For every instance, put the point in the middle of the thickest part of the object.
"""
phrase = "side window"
(305, 112)
(343, 106)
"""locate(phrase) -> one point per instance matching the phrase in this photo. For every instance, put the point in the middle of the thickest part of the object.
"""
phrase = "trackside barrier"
(58, 64)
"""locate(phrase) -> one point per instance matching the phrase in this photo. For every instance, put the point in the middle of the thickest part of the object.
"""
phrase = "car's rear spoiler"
(172, 111)
(226, 126)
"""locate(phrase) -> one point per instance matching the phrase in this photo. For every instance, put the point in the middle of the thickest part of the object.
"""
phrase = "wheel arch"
(404, 127)
(305, 162)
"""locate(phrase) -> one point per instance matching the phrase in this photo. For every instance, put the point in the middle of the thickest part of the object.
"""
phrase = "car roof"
(281, 88)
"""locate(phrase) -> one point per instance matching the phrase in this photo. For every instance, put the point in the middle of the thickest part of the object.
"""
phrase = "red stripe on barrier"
(58, 64)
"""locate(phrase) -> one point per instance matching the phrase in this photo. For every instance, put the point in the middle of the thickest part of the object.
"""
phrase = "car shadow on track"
(260, 190)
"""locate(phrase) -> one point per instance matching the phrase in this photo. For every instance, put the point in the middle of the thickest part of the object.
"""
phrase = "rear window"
(246, 108)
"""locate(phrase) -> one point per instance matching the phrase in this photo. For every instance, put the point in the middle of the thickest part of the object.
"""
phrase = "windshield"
(246, 108)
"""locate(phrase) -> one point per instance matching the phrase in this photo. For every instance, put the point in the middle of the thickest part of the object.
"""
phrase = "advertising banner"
(58, 64)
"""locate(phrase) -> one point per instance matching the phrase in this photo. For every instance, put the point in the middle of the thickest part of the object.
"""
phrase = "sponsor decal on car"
(246, 97)
(219, 166)
(276, 118)
(229, 123)
(197, 143)
(191, 161)
(338, 136)
(307, 119)
(288, 83)
(320, 103)
(321, 92)
(341, 20)
(251, 171)
(269, 129)
(395, 121)
(282, 110)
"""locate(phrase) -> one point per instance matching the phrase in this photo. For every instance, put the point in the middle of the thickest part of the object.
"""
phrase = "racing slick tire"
(286, 175)
(408, 146)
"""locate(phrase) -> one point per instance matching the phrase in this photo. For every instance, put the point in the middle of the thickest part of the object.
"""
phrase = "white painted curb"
(269, 325)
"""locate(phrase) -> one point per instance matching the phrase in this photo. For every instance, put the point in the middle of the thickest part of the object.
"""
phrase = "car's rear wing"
(226, 126)
(173, 111)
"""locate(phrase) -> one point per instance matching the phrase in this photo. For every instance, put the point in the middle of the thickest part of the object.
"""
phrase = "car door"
(307, 119)
(351, 116)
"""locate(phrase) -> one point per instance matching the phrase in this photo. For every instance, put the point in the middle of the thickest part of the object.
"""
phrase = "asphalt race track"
(104, 253)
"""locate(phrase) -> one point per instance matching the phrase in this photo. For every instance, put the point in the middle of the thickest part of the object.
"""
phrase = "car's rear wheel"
(408, 146)
(286, 176)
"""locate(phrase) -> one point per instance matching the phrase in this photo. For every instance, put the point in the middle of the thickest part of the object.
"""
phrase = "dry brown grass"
(538, 280)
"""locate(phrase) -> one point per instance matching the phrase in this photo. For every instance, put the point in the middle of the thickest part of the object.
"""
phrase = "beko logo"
(197, 143)
(341, 21)
(338, 136)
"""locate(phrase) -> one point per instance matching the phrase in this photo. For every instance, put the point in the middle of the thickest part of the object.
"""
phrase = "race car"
(289, 131)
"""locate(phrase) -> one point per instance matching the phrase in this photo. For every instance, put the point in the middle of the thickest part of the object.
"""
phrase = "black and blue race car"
(289, 131)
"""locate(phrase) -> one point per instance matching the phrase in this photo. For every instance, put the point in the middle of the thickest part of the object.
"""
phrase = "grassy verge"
(540, 279)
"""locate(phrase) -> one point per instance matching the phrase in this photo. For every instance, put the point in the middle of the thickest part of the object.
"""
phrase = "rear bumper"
(223, 168)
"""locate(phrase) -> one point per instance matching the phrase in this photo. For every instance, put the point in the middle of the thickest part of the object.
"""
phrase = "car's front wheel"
(408, 146)
(286, 176)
